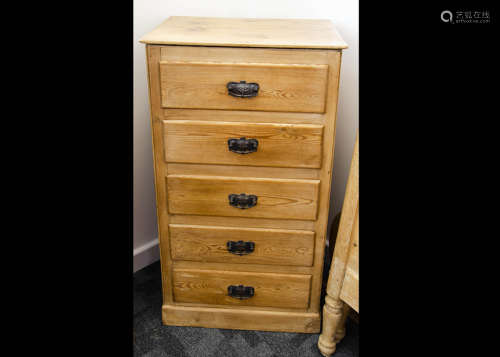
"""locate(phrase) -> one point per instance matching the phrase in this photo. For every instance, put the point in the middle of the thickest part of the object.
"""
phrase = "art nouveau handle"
(242, 89)
(240, 247)
(240, 292)
(242, 200)
(243, 145)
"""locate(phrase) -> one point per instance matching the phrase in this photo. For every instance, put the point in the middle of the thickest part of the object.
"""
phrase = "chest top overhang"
(232, 32)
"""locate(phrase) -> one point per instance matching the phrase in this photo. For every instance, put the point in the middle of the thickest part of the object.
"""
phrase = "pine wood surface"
(350, 286)
(244, 116)
(208, 195)
(279, 145)
(343, 280)
(348, 230)
(213, 31)
(243, 170)
(283, 321)
(272, 246)
(283, 87)
(271, 289)
(192, 185)
(242, 55)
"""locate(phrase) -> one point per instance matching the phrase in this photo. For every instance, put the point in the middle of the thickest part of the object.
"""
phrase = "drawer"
(262, 144)
(281, 87)
(242, 196)
(269, 289)
(241, 245)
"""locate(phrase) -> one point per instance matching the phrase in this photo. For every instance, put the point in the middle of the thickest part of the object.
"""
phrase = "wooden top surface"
(231, 32)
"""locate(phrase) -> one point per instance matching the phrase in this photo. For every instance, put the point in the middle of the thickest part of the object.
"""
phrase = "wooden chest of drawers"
(243, 115)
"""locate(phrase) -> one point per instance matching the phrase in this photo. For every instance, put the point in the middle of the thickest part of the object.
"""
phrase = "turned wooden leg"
(333, 317)
(340, 333)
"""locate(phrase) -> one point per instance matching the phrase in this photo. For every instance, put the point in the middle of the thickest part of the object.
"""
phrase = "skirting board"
(146, 254)
(306, 322)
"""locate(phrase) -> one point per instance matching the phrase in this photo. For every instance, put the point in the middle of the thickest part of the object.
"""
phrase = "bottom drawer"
(259, 289)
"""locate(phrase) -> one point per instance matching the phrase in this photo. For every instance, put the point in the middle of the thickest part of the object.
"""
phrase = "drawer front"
(280, 145)
(265, 198)
(241, 245)
(269, 289)
(282, 87)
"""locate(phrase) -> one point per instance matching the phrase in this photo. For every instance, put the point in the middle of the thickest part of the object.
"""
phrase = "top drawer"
(196, 83)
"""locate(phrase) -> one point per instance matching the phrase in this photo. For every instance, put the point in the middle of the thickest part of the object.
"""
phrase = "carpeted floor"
(151, 338)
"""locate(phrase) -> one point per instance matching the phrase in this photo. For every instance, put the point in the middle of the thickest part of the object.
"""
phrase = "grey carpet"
(152, 339)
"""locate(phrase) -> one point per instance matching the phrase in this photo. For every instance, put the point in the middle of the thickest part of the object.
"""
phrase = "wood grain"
(350, 287)
(214, 31)
(208, 195)
(347, 226)
(334, 58)
(283, 87)
(271, 289)
(342, 284)
(242, 222)
(279, 183)
(160, 169)
(353, 260)
(272, 246)
(241, 319)
(249, 267)
(281, 145)
(245, 116)
(242, 55)
(241, 170)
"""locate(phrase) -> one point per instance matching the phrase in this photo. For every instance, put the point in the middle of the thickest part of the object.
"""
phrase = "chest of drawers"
(243, 115)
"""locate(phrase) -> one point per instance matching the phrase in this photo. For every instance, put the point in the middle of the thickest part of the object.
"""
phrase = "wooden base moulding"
(282, 321)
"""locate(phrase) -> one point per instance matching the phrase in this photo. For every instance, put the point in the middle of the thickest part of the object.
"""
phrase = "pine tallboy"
(243, 115)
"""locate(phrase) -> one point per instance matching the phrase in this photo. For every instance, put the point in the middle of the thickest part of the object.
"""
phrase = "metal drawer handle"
(243, 145)
(240, 247)
(242, 200)
(242, 89)
(240, 292)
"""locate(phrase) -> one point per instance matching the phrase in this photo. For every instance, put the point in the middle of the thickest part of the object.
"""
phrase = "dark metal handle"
(242, 89)
(242, 200)
(240, 292)
(243, 145)
(240, 247)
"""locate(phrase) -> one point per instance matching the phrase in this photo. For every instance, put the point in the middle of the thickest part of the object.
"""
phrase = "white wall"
(150, 13)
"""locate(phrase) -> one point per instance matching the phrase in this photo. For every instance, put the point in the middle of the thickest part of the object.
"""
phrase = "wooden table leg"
(333, 317)
(340, 333)
(334, 311)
